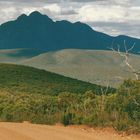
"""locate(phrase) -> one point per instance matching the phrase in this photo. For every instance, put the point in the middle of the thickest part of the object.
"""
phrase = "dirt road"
(26, 131)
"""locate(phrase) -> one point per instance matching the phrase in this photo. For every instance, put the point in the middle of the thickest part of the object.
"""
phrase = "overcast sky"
(110, 16)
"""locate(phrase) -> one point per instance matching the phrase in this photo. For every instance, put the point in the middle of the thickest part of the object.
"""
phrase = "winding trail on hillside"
(27, 131)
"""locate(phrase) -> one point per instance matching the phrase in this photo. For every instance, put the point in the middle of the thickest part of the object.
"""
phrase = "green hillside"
(26, 95)
(22, 79)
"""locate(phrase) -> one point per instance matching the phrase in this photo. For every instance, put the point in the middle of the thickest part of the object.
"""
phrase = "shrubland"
(120, 110)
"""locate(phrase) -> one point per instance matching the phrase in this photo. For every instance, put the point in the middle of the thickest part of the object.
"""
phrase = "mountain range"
(38, 31)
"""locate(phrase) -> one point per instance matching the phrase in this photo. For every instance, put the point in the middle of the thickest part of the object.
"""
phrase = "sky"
(113, 17)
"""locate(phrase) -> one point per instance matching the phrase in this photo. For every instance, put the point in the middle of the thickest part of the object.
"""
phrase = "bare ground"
(27, 131)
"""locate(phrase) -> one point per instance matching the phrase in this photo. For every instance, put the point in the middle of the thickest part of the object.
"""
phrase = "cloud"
(53, 7)
(103, 13)
(85, 1)
(68, 12)
(117, 28)
(108, 13)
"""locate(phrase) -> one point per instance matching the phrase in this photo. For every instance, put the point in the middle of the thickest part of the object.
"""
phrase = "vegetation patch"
(120, 110)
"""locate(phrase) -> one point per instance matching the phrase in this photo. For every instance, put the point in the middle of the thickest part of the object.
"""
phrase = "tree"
(125, 55)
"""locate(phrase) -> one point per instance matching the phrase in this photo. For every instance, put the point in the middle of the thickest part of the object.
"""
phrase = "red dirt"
(27, 131)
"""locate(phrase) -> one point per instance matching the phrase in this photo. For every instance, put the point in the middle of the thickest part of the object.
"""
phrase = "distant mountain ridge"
(41, 32)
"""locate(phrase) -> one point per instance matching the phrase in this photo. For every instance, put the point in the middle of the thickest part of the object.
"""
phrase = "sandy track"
(26, 131)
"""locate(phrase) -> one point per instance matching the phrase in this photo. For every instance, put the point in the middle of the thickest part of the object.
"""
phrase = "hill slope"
(22, 79)
(39, 31)
(100, 67)
(16, 55)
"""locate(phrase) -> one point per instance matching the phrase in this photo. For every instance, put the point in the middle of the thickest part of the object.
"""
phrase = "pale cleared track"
(26, 131)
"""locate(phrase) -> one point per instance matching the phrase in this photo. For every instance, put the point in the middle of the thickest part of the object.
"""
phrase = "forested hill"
(22, 79)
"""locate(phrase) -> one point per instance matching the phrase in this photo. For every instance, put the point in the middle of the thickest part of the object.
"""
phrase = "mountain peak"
(22, 17)
(35, 13)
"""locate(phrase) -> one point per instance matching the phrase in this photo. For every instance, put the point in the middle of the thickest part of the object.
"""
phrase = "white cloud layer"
(110, 16)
